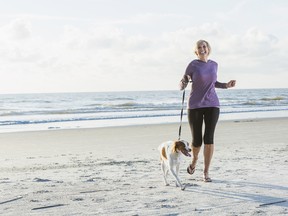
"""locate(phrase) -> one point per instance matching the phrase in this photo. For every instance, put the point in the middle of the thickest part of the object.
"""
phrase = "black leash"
(183, 98)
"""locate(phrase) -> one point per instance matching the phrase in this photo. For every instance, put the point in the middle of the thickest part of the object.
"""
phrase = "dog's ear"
(176, 145)
(180, 145)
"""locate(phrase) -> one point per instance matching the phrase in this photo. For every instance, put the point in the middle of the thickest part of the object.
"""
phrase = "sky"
(134, 45)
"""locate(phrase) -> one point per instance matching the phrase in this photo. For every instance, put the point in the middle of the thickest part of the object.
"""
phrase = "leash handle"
(181, 115)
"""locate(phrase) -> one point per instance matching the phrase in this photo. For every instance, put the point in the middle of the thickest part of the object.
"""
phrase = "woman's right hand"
(184, 82)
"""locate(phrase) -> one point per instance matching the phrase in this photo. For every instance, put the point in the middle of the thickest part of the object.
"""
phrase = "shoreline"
(130, 123)
(116, 171)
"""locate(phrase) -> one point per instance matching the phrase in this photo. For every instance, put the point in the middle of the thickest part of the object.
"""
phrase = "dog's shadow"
(191, 185)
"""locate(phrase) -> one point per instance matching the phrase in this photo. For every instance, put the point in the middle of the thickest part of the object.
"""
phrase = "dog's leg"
(176, 176)
(165, 171)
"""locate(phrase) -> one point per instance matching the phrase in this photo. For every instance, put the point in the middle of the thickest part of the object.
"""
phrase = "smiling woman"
(203, 104)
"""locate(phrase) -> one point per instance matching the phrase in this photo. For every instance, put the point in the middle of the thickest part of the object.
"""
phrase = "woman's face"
(202, 50)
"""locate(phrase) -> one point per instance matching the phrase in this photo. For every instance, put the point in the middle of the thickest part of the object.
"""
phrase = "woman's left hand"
(231, 83)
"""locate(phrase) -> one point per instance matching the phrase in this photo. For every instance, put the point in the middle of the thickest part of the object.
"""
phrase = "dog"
(170, 157)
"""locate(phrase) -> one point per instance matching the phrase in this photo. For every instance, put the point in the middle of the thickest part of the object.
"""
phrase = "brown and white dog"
(170, 156)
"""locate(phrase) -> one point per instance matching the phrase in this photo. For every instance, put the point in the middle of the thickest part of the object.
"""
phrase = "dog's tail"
(162, 151)
(160, 147)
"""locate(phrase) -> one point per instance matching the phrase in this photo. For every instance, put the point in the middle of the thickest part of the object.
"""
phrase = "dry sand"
(116, 171)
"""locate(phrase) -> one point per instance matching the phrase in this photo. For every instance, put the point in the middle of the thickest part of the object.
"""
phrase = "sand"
(116, 171)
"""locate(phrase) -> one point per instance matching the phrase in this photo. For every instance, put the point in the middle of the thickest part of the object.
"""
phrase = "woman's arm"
(184, 82)
(230, 84)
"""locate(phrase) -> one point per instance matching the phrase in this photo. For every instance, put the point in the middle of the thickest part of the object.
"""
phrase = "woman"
(203, 104)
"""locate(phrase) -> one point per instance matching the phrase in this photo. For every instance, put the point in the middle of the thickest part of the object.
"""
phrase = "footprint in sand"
(41, 180)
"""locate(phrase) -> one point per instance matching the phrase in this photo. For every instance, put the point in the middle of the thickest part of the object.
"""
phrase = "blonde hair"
(200, 42)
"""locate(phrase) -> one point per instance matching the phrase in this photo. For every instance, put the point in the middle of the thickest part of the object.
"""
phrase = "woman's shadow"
(243, 191)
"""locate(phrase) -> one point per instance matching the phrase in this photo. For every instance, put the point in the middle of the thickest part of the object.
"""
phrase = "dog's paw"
(183, 187)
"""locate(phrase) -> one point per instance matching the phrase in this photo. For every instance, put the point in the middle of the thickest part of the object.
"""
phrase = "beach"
(116, 171)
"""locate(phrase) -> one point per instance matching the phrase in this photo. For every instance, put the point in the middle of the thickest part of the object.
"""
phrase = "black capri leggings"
(210, 116)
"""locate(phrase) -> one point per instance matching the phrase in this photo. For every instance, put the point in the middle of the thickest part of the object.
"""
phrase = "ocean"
(28, 112)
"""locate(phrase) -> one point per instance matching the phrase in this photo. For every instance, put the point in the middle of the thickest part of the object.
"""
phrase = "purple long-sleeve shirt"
(204, 81)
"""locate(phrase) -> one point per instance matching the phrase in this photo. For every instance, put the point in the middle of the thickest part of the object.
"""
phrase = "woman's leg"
(195, 152)
(195, 118)
(210, 118)
(208, 154)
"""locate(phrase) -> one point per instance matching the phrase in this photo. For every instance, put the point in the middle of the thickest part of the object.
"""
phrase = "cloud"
(18, 29)
(114, 56)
